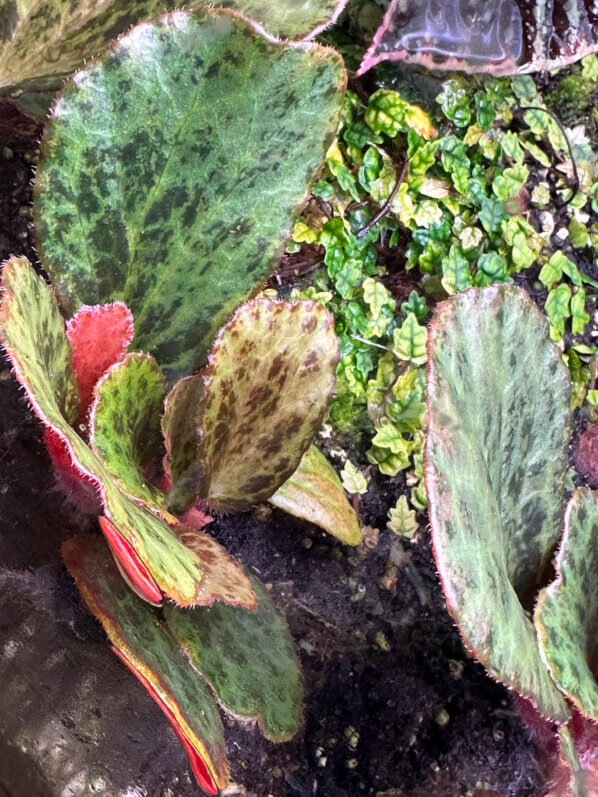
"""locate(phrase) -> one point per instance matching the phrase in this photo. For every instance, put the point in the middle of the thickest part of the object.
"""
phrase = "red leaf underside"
(198, 765)
(99, 337)
(78, 486)
(130, 566)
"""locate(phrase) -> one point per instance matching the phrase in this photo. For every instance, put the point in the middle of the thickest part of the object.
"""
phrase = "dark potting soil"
(393, 704)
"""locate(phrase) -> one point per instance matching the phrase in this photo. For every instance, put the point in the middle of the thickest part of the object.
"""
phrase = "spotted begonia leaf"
(495, 460)
(501, 38)
(179, 428)
(248, 658)
(143, 641)
(315, 493)
(269, 378)
(224, 578)
(567, 609)
(42, 42)
(125, 424)
(176, 218)
(34, 337)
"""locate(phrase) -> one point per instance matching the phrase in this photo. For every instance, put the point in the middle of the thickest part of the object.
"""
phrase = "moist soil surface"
(393, 703)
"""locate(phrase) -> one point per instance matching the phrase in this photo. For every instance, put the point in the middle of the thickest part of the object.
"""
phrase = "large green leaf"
(42, 41)
(171, 171)
(496, 457)
(145, 644)
(567, 609)
(248, 658)
(179, 427)
(125, 424)
(315, 493)
(267, 384)
(33, 334)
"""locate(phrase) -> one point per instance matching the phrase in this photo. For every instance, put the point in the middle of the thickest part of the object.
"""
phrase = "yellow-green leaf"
(315, 493)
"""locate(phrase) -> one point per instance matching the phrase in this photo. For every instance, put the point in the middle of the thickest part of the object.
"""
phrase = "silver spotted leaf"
(248, 658)
(125, 424)
(172, 169)
(182, 463)
(495, 460)
(44, 41)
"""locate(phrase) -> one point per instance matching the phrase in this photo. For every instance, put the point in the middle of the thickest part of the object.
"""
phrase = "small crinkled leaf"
(34, 337)
(402, 520)
(567, 610)
(409, 340)
(495, 461)
(248, 658)
(224, 578)
(174, 217)
(353, 480)
(145, 644)
(315, 493)
(179, 428)
(125, 429)
(269, 378)
(99, 337)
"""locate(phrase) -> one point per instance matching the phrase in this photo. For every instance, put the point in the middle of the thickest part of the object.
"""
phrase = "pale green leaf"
(496, 457)
(315, 493)
(402, 520)
(409, 341)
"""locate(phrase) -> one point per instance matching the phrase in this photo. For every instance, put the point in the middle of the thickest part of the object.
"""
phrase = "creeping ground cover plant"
(495, 464)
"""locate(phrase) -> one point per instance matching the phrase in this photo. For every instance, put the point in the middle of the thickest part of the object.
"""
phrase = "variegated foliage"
(35, 339)
(501, 38)
(495, 461)
(566, 615)
(246, 657)
(314, 492)
(267, 384)
(42, 42)
(171, 171)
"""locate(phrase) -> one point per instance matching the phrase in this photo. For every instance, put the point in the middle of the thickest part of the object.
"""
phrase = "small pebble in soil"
(441, 716)
(352, 737)
(382, 642)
